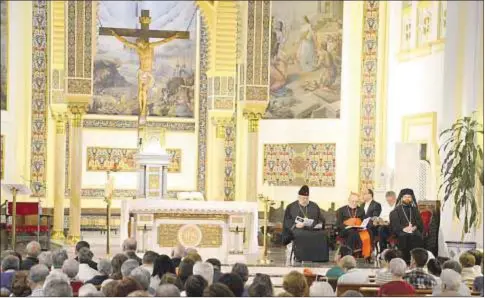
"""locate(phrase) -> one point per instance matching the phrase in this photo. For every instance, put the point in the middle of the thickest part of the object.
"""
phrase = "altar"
(212, 227)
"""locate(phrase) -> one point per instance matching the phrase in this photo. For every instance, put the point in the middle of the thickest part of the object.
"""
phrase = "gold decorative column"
(76, 112)
(60, 153)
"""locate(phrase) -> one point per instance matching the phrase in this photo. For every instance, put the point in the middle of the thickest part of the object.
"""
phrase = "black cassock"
(399, 219)
(308, 244)
(351, 236)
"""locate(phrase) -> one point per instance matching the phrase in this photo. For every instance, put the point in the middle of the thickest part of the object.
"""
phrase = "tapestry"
(298, 164)
(3, 53)
(102, 159)
(306, 59)
(116, 65)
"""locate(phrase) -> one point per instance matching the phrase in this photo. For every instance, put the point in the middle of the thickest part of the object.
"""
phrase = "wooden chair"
(369, 291)
(342, 288)
(427, 292)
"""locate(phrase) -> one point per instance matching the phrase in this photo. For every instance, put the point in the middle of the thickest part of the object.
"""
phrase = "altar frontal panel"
(102, 159)
(190, 235)
(298, 164)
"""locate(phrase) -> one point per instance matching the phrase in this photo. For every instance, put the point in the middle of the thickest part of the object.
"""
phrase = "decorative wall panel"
(298, 164)
(103, 159)
(128, 124)
(4, 54)
(38, 153)
(229, 161)
(203, 108)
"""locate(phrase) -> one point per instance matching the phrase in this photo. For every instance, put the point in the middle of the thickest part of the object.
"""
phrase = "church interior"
(241, 148)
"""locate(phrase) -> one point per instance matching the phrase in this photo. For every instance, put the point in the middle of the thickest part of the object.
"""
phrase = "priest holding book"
(303, 224)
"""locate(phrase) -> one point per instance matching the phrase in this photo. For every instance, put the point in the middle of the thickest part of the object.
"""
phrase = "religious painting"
(306, 60)
(102, 159)
(116, 66)
(298, 164)
(3, 53)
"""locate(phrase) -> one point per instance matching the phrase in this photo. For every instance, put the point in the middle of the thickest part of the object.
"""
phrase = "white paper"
(307, 222)
(363, 225)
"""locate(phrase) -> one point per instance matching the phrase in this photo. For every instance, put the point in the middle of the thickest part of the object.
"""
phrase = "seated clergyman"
(303, 224)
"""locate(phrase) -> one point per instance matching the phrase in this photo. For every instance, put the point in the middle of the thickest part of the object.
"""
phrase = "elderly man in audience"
(397, 286)
(384, 275)
(128, 266)
(352, 274)
(450, 283)
(129, 249)
(478, 260)
(108, 287)
(468, 273)
(126, 286)
(58, 258)
(417, 277)
(37, 276)
(57, 287)
(104, 269)
(218, 290)
(163, 264)
(116, 263)
(88, 290)
(206, 270)
(148, 260)
(455, 266)
(85, 271)
(295, 283)
(217, 268)
(33, 250)
(80, 245)
(167, 290)
(195, 285)
(143, 278)
(321, 289)
(71, 269)
(10, 264)
(337, 271)
(234, 282)
(45, 258)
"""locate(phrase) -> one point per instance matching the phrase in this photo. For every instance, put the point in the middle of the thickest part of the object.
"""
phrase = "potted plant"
(462, 171)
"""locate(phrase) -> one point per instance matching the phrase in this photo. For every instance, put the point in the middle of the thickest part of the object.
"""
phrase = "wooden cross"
(144, 33)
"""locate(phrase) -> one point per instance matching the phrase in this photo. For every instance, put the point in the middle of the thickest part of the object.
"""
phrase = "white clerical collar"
(368, 203)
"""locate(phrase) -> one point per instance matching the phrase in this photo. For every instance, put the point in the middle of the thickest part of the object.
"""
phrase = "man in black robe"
(372, 209)
(406, 223)
(309, 242)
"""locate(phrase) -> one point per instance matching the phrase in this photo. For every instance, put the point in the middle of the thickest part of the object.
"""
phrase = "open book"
(307, 222)
(363, 225)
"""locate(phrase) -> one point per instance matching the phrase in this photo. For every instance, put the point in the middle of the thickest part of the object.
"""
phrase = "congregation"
(185, 274)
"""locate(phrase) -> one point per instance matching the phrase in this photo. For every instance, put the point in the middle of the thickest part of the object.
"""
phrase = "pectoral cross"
(145, 52)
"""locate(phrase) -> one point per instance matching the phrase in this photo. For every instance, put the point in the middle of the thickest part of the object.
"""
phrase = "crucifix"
(145, 51)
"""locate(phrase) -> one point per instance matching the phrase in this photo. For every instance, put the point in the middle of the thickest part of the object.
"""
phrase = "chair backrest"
(369, 291)
(342, 288)
(24, 208)
(418, 292)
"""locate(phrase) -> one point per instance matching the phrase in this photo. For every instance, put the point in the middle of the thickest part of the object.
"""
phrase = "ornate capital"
(253, 119)
(221, 123)
(76, 112)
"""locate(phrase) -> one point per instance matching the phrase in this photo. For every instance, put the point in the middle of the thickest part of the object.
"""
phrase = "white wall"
(344, 131)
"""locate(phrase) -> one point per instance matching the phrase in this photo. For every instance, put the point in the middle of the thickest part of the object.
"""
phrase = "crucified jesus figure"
(145, 51)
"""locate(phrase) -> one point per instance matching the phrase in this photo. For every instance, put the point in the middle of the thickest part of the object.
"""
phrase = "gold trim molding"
(190, 216)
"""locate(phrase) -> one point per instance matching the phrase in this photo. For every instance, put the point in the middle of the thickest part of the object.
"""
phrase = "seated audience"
(178, 253)
(85, 271)
(455, 266)
(434, 268)
(80, 245)
(234, 282)
(33, 250)
(163, 264)
(10, 264)
(265, 280)
(218, 289)
(58, 258)
(478, 260)
(397, 286)
(321, 289)
(170, 278)
(129, 249)
(384, 275)
(217, 268)
(352, 293)
(167, 290)
(243, 271)
(295, 283)
(352, 274)
(186, 269)
(195, 285)
(468, 273)
(88, 290)
(109, 288)
(417, 277)
(20, 285)
(36, 279)
(116, 263)
(148, 261)
(450, 283)
(139, 294)
(128, 266)
(104, 269)
(143, 278)
(57, 288)
(257, 289)
(205, 270)
(71, 269)
(126, 286)
(337, 271)
(478, 285)
(45, 258)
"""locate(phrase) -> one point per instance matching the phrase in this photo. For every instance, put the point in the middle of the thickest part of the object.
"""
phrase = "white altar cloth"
(153, 206)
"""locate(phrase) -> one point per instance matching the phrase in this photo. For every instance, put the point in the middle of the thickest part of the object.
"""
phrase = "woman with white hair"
(206, 270)
(321, 289)
(450, 283)
(397, 287)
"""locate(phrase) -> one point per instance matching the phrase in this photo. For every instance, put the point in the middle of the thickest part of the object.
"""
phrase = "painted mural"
(3, 54)
(306, 59)
(116, 67)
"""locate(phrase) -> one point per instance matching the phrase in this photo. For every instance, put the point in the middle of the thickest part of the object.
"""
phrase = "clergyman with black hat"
(406, 223)
(309, 240)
